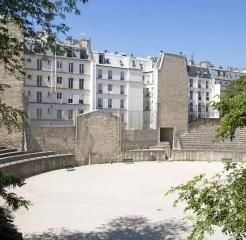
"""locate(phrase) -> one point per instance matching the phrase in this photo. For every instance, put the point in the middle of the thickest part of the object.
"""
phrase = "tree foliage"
(29, 16)
(232, 108)
(7, 229)
(220, 201)
(216, 202)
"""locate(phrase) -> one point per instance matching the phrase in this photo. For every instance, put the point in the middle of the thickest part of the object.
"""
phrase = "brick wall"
(58, 139)
(173, 94)
(138, 139)
(12, 97)
(98, 137)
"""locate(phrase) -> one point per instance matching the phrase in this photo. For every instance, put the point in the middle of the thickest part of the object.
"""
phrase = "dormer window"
(101, 59)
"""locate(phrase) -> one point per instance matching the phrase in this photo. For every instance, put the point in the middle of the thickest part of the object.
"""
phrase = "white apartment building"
(62, 84)
(206, 84)
(57, 86)
(119, 86)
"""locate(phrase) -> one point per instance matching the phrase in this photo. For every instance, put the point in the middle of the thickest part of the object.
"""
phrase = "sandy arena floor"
(108, 202)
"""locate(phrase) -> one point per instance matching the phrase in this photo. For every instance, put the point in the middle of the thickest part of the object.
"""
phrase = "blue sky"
(214, 30)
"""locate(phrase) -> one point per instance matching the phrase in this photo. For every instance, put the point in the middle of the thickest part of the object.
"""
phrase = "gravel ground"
(109, 202)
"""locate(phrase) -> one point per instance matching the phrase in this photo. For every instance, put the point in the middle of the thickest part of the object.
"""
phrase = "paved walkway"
(108, 202)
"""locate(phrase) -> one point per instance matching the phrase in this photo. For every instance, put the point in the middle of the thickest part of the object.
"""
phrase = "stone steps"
(7, 150)
(25, 156)
(201, 138)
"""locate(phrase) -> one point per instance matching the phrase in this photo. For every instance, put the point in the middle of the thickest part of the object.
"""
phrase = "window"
(81, 83)
(29, 93)
(59, 95)
(48, 78)
(207, 96)
(39, 113)
(81, 68)
(99, 102)
(141, 66)
(122, 89)
(199, 96)
(191, 95)
(82, 54)
(199, 107)
(99, 73)
(70, 83)
(101, 58)
(69, 53)
(110, 87)
(133, 64)
(191, 83)
(206, 84)
(122, 103)
(39, 97)
(59, 80)
(39, 64)
(70, 114)
(122, 75)
(48, 94)
(58, 64)
(110, 74)
(70, 100)
(191, 107)
(59, 114)
(39, 81)
(199, 84)
(99, 88)
(70, 67)
(122, 117)
(109, 103)
(81, 101)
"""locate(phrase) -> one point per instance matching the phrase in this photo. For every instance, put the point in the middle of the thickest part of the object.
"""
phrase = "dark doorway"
(166, 135)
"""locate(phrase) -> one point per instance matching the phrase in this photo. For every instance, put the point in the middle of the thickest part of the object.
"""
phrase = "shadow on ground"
(124, 228)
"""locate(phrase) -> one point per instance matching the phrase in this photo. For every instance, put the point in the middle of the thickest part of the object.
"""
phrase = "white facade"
(63, 84)
(57, 86)
(119, 87)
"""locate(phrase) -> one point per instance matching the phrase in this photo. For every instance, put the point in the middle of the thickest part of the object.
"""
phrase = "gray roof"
(194, 71)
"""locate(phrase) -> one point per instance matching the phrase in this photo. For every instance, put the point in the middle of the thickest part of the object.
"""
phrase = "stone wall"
(172, 97)
(33, 167)
(185, 155)
(58, 139)
(14, 97)
(138, 139)
(98, 137)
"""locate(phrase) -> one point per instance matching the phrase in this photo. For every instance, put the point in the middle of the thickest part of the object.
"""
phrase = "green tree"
(7, 229)
(29, 16)
(221, 200)
(232, 107)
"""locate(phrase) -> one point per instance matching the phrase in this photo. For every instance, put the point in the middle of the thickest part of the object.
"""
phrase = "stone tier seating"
(26, 164)
(201, 139)
(12, 155)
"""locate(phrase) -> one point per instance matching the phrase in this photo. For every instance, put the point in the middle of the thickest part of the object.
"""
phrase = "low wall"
(138, 139)
(98, 137)
(53, 138)
(28, 168)
(145, 155)
(204, 122)
(182, 155)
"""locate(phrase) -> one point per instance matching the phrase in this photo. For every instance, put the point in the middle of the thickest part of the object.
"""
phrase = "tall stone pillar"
(172, 98)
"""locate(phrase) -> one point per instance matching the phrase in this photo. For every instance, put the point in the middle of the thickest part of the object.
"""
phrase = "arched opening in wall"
(166, 135)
